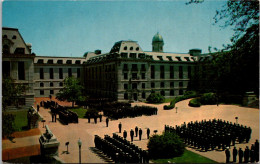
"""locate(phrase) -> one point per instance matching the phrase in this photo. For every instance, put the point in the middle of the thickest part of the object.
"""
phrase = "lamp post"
(236, 119)
(79, 143)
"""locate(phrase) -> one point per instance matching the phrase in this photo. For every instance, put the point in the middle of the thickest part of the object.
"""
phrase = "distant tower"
(157, 43)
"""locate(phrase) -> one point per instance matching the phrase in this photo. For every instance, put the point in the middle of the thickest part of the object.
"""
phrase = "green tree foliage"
(234, 69)
(71, 92)
(11, 92)
(155, 98)
(167, 145)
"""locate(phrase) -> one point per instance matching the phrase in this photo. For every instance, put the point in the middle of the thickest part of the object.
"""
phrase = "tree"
(155, 98)
(11, 92)
(71, 92)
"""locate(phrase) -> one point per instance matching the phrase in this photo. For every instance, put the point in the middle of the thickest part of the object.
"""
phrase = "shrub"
(7, 125)
(195, 102)
(167, 145)
(208, 99)
(187, 95)
(155, 98)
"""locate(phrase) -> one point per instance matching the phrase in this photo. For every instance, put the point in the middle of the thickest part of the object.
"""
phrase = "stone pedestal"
(49, 144)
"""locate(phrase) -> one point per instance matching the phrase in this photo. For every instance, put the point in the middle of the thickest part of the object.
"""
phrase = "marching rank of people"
(120, 150)
(211, 134)
(117, 112)
(248, 155)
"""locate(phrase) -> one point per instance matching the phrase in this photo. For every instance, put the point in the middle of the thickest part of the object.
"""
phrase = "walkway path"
(86, 131)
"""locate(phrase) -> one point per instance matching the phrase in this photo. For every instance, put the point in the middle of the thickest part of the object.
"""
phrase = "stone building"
(129, 73)
(17, 63)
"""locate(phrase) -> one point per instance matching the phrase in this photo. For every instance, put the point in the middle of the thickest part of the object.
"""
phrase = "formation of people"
(137, 132)
(120, 150)
(248, 155)
(211, 134)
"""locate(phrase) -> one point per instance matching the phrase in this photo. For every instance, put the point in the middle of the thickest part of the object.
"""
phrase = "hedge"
(155, 98)
(195, 102)
(191, 94)
(167, 145)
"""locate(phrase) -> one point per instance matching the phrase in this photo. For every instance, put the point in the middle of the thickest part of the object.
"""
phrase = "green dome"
(157, 38)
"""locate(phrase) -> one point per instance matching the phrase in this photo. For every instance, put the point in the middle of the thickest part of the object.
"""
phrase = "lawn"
(187, 157)
(20, 120)
(80, 111)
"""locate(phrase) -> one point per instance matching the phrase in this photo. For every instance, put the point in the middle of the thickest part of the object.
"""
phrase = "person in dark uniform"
(120, 127)
(240, 155)
(136, 131)
(95, 119)
(227, 155)
(107, 120)
(124, 134)
(132, 135)
(246, 154)
(88, 118)
(140, 134)
(38, 107)
(234, 155)
(148, 133)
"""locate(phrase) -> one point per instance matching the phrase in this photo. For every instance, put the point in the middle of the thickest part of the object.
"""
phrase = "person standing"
(120, 127)
(124, 134)
(95, 119)
(227, 155)
(132, 135)
(240, 155)
(140, 134)
(246, 154)
(136, 131)
(107, 121)
(234, 155)
(148, 133)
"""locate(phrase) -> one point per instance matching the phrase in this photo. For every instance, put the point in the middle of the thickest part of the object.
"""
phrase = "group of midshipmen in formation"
(212, 134)
(248, 155)
(120, 150)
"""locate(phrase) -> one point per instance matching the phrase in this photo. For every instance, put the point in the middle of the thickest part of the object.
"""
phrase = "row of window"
(131, 48)
(50, 61)
(20, 69)
(13, 37)
(51, 72)
(51, 84)
(42, 92)
(126, 97)
(162, 85)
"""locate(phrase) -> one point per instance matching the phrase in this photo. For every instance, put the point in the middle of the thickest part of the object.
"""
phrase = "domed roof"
(157, 38)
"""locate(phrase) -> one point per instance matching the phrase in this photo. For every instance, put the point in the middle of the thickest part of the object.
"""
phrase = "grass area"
(20, 119)
(187, 157)
(80, 111)
(165, 101)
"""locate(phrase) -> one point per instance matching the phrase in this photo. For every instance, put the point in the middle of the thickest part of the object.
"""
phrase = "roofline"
(168, 52)
(59, 57)
(9, 28)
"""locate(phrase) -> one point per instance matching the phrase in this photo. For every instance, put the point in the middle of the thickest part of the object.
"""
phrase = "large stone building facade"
(125, 73)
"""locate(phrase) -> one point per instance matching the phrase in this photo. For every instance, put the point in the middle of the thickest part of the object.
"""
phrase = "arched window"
(131, 48)
(137, 49)
(125, 48)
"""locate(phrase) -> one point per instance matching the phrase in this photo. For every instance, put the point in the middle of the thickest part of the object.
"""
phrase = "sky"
(71, 28)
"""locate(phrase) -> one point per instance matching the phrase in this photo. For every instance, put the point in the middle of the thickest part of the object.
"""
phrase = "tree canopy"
(72, 91)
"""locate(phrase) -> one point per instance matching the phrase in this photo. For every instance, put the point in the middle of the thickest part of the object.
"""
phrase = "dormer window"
(131, 48)
(19, 51)
(137, 49)
(178, 58)
(40, 61)
(14, 37)
(132, 55)
(125, 48)
(187, 58)
(60, 62)
(160, 58)
(69, 62)
(77, 62)
(169, 57)
(50, 61)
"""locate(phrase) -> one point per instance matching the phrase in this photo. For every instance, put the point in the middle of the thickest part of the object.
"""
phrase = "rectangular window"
(134, 76)
(180, 72)
(60, 73)
(70, 72)
(143, 95)
(51, 73)
(180, 92)
(172, 84)
(152, 85)
(162, 84)
(172, 72)
(152, 72)
(134, 86)
(41, 84)
(6, 68)
(21, 71)
(143, 85)
(133, 55)
(134, 67)
(181, 84)
(125, 96)
(125, 86)
(143, 75)
(125, 76)
(162, 72)
(171, 92)
(143, 67)
(123, 55)
(78, 72)
(41, 73)
(125, 68)
(41, 92)
(51, 92)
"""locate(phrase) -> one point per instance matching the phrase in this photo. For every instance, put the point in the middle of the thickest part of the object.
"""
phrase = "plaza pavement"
(86, 131)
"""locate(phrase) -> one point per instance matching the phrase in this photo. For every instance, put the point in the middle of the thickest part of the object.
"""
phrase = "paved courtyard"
(86, 131)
